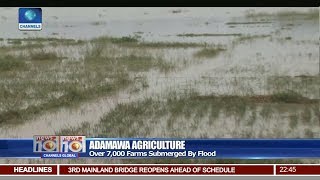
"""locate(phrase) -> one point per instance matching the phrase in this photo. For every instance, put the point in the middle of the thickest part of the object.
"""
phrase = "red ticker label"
(166, 170)
(28, 170)
(298, 169)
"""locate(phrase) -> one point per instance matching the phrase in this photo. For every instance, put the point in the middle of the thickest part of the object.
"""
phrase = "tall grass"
(103, 69)
(208, 34)
(209, 52)
(9, 63)
(134, 42)
(42, 54)
(311, 14)
(188, 107)
(290, 97)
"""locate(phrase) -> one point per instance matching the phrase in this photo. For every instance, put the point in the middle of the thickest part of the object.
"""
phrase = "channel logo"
(30, 19)
(73, 144)
(45, 143)
(59, 144)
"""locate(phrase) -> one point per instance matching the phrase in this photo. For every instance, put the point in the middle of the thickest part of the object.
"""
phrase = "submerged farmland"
(242, 74)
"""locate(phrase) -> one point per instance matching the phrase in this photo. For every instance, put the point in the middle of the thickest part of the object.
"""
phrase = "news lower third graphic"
(47, 146)
(30, 19)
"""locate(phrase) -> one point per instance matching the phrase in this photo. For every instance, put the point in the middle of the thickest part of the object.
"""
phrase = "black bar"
(159, 3)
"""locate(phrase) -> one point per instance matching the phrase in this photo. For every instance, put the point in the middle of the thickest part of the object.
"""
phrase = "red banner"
(167, 169)
(298, 169)
(157, 169)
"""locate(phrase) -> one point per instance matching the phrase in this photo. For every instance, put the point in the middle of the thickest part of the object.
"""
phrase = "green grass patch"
(67, 43)
(15, 42)
(209, 52)
(191, 107)
(21, 46)
(309, 133)
(144, 63)
(125, 39)
(305, 85)
(208, 34)
(74, 95)
(40, 39)
(174, 107)
(97, 23)
(294, 120)
(290, 97)
(248, 37)
(255, 22)
(169, 45)
(33, 43)
(43, 55)
(50, 86)
(116, 40)
(134, 62)
(95, 53)
(164, 66)
(137, 63)
(176, 11)
(311, 14)
(10, 63)
(133, 42)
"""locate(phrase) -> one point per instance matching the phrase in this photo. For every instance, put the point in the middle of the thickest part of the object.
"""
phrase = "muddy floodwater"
(162, 72)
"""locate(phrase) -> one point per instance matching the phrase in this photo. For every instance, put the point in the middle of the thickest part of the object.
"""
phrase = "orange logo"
(49, 145)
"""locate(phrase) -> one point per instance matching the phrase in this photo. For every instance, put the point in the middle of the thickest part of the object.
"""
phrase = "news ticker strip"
(163, 169)
(46, 146)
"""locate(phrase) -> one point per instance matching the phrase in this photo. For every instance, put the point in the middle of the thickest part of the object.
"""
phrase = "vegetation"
(15, 42)
(248, 37)
(116, 40)
(43, 55)
(73, 96)
(288, 38)
(311, 14)
(130, 41)
(290, 97)
(192, 108)
(9, 63)
(40, 39)
(176, 11)
(209, 52)
(208, 34)
(27, 46)
(104, 69)
(255, 22)
(140, 63)
(97, 23)
(169, 45)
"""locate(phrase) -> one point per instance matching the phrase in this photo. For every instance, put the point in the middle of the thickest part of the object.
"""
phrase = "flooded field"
(162, 72)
